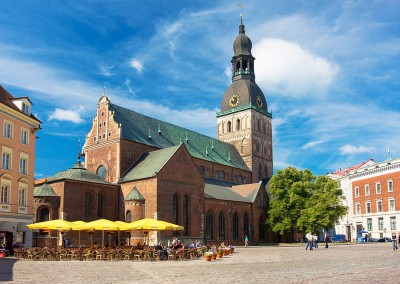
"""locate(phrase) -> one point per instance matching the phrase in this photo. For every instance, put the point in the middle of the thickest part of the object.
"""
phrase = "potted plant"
(208, 255)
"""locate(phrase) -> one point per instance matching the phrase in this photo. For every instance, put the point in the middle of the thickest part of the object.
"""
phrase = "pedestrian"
(316, 241)
(394, 242)
(326, 239)
(246, 241)
(399, 237)
(309, 238)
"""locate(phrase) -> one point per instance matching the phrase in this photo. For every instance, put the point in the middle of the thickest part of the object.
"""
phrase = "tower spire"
(104, 91)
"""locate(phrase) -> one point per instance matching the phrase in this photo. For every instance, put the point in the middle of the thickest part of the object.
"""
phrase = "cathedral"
(138, 167)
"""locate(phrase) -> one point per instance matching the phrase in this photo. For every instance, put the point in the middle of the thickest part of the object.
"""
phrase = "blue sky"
(328, 69)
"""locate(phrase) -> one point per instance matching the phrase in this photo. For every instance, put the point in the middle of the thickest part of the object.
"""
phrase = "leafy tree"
(289, 190)
(300, 200)
(324, 207)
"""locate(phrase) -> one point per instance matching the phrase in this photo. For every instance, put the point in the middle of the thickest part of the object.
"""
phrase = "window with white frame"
(378, 188)
(26, 108)
(357, 192)
(8, 129)
(22, 194)
(24, 136)
(392, 223)
(6, 160)
(379, 206)
(358, 208)
(380, 223)
(390, 186)
(369, 224)
(391, 204)
(367, 190)
(23, 165)
(368, 207)
(5, 191)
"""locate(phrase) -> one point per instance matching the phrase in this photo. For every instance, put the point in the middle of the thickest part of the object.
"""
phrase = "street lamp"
(384, 230)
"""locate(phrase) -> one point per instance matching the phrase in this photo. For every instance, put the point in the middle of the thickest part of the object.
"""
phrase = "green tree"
(324, 206)
(299, 200)
(289, 190)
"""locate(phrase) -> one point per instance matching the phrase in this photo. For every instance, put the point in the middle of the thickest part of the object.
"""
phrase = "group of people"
(312, 241)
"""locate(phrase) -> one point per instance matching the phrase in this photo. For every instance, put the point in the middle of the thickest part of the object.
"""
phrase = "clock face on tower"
(234, 101)
(259, 101)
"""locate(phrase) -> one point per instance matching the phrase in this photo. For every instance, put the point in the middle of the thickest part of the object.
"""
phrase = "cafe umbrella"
(57, 224)
(98, 225)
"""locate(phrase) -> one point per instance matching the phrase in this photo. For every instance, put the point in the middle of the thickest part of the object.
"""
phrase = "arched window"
(265, 150)
(246, 225)
(202, 170)
(175, 209)
(258, 147)
(5, 190)
(209, 226)
(229, 126)
(265, 171)
(258, 125)
(185, 221)
(235, 229)
(238, 124)
(88, 204)
(44, 215)
(221, 174)
(100, 201)
(128, 216)
(260, 175)
(221, 226)
(237, 66)
(244, 65)
(261, 228)
(264, 128)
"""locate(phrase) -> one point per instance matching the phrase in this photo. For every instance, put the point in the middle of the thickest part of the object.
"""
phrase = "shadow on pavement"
(6, 269)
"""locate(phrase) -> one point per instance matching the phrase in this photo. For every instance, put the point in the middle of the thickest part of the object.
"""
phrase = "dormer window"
(26, 108)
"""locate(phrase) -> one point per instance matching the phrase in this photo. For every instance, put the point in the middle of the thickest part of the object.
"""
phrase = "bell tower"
(244, 119)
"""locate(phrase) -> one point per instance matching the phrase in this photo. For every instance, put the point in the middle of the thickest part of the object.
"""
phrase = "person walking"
(326, 239)
(316, 241)
(394, 242)
(246, 241)
(309, 238)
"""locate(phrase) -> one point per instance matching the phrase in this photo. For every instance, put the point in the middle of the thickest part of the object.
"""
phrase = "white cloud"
(354, 150)
(137, 65)
(228, 73)
(66, 115)
(311, 144)
(287, 68)
(127, 83)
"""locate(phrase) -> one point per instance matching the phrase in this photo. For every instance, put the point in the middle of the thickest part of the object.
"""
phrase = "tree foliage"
(300, 200)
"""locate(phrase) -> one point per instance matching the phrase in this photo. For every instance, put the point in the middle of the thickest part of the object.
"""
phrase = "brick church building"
(215, 188)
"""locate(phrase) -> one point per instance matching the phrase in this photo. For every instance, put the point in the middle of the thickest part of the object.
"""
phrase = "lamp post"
(384, 230)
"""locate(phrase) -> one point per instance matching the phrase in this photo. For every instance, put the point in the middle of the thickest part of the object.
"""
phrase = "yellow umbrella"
(120, 224)
(79, 223)
(98, 225)
(58, 224)
(151, 224)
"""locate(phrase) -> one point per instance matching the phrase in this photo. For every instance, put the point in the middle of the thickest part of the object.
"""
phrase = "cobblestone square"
(362, 263)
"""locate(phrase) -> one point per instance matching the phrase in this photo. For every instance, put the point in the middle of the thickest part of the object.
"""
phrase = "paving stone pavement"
(362, 263)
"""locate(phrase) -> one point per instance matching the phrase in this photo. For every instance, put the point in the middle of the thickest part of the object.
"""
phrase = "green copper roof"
(134, 195)
(44, 190)
(150, 131)
(221, 192)
(78, 172)
(149, 164)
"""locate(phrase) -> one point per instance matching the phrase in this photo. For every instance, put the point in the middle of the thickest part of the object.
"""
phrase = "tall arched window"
(128, 216)
(221, 226)
(185, 221)
(246, 225)
(44, 215)
(88, 204)
(209, 226)
(100, 201)
(258, 147)
(235, 229)
(261, 228)
(258, 125)
(175, 208)
(264, 128)
(238, 124)
(265, 171)
(265, 150)
(260, 175)
(229, 126)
